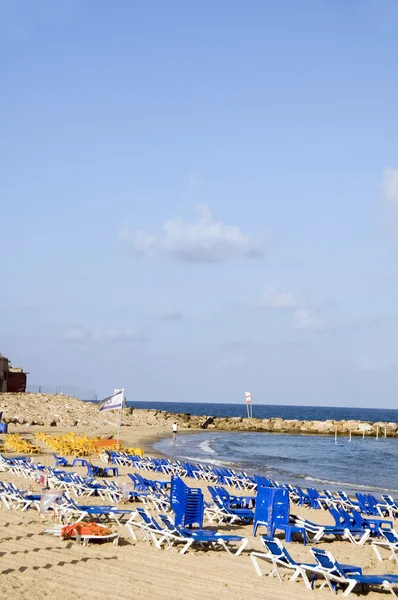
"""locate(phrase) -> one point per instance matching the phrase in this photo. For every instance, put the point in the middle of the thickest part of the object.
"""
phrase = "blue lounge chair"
(279, 557)
(390, 542)
(60, 461)
(206, 537)
(101, 512)
(375, 525)
(349, 576)
(232, 507)
(317, 532)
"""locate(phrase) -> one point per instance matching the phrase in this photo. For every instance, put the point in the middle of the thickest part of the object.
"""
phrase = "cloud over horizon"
(81, 335)
(305, 314)
(205, 240)
(389, 188)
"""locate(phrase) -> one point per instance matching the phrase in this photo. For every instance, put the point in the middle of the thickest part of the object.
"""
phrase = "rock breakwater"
(63, 411)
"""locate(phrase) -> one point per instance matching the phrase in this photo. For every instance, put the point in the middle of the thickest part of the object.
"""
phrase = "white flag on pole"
(113, 402)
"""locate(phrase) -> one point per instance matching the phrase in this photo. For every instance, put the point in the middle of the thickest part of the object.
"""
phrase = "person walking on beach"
(175, 429)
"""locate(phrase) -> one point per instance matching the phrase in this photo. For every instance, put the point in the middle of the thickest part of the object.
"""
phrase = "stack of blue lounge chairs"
(273, 512)
(187, 503)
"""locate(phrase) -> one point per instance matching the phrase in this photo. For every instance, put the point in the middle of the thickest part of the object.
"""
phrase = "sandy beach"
(34, 563)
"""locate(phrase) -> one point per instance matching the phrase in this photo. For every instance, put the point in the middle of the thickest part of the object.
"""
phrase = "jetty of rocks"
(63, 411)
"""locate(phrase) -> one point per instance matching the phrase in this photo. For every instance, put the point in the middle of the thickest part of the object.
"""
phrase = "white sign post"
(249, 406)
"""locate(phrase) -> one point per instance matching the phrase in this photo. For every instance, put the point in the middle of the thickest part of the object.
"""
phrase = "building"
(3, 373)
(16, 379)
(12, 379)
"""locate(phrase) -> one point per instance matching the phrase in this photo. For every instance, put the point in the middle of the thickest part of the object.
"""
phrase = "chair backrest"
(326, 561)
(262, 481)
(277, 550)
(390, 534)
(340, 516)
(389, 500)
(148, 519)
(166, 521)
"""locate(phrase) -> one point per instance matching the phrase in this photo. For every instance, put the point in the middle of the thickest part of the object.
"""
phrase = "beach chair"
(390, 542)
(230, 507)
(71, 509)
(16, 499)
(206, 537)
(153, 532)
(346, 502)
(279, 558)
(375, 525)
(60, 461)
(316, 532)
(349, 576)
(389, 505)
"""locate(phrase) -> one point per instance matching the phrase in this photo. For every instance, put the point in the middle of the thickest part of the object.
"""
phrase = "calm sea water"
(267, 411)
(310, 461)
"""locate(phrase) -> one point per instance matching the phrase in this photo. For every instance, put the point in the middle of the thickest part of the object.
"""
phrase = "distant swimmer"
(175, 429)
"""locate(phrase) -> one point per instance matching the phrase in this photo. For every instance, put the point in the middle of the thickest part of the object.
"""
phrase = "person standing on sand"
(175, 429)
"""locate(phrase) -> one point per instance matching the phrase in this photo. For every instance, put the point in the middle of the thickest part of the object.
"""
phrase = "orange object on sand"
(105, 443)
(93, 529)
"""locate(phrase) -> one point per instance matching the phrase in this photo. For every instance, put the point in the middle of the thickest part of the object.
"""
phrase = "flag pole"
(120, 421)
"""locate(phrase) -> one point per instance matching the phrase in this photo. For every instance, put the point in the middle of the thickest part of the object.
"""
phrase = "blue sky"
(201, 199)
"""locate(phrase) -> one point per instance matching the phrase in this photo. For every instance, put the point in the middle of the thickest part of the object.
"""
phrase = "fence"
(65, 390)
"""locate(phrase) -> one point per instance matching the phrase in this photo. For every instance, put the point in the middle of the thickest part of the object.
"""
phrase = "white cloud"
(276, 298)
(305, 314)
(233, 362)
(204, 240)
(80, 335)
(390, 188)
(372, 363)
(307, 318)
(170, 315)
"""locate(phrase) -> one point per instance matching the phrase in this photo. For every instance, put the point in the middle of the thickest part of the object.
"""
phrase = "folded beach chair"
(390, 542)
(348, 576)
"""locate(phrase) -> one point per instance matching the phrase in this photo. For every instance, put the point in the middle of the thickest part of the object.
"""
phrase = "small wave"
(206, 461)
(344, 484)
(205, 447)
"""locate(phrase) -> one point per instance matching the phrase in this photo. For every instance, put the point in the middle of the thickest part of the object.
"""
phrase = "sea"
(358, 465)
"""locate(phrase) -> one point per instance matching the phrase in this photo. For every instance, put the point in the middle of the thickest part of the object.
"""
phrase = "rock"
(322, 427)
(366, 427)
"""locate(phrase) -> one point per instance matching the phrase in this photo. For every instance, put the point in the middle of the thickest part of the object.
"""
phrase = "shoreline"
(270, 469)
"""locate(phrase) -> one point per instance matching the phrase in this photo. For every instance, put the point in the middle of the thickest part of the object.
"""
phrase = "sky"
(201, 199)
